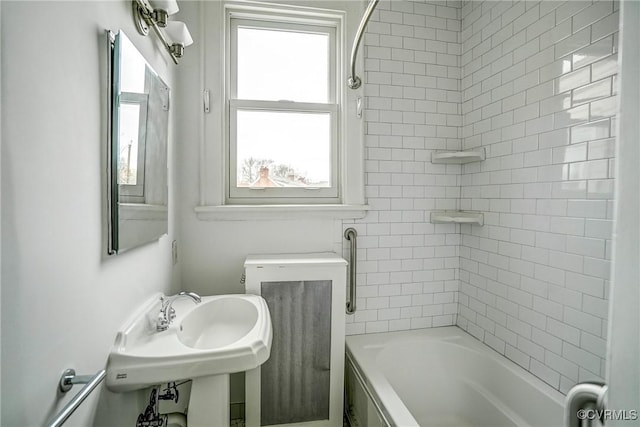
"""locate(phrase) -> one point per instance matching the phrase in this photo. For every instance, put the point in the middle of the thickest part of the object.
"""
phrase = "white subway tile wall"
(534, 280)
(408, 267)
(534, 83)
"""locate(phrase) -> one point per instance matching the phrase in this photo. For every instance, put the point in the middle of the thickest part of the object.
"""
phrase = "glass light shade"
(171, 6)
(178, 32)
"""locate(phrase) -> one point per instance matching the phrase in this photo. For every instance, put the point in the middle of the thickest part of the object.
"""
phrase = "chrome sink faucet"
(168, 313)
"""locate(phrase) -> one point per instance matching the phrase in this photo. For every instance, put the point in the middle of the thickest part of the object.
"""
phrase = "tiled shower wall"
(407, 267)
(539, 94)
(534, 84)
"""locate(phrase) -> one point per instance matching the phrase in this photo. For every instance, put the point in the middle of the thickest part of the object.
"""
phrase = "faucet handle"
(162, 323)
(168, 313)
(164, 301)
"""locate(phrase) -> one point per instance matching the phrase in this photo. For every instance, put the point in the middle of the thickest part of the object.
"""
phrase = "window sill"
(279, 212)
(142, 211)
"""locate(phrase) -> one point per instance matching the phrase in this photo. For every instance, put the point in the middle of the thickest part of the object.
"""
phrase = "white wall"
(623, 347)
(409, 266)
(212, 253)
(63, 299)
(539, 93)
(0, 211)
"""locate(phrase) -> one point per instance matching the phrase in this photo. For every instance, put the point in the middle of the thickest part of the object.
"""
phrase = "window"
(133, 103)
(285, 136)
(283, 112)
(132, 141)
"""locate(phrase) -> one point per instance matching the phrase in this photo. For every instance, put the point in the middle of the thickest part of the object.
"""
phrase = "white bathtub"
(442, 377)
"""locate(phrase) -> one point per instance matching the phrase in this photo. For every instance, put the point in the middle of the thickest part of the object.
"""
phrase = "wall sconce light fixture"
(155, 14)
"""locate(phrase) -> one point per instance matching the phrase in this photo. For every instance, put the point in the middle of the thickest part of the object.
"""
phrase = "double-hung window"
(284, 134)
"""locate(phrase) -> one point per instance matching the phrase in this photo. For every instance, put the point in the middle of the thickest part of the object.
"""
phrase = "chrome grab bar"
(354, 82)
(68, 380)
(351, 234)
(581, 398)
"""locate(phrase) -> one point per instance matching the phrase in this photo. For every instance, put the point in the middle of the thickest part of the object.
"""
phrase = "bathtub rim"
(356, 347)
(369, 390)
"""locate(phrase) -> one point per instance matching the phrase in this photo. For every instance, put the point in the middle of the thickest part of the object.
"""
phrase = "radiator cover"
(302, 382)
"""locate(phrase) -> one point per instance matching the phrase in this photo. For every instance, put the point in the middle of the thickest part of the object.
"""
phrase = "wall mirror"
(138, 196)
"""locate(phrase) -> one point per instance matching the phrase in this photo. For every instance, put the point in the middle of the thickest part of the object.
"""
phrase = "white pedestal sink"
(204, 391)
(205, 343)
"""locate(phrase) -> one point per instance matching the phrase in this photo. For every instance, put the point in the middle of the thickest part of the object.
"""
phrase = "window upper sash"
(274, 24)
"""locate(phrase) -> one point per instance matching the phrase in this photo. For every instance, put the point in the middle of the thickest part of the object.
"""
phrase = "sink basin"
(218, 323)
(221, 335)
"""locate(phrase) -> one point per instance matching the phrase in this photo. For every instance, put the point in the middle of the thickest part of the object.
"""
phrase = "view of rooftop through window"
(283, 149)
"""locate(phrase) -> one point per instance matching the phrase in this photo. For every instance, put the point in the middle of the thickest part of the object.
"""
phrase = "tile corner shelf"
(458, 157)
(457, 217)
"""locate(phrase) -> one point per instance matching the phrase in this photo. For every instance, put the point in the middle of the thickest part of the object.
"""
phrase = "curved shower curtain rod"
(354, 81)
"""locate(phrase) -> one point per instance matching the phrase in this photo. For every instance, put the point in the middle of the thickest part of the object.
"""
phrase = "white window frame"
(253, 195)
(215, 179)
(274, 195)
(134, 193)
